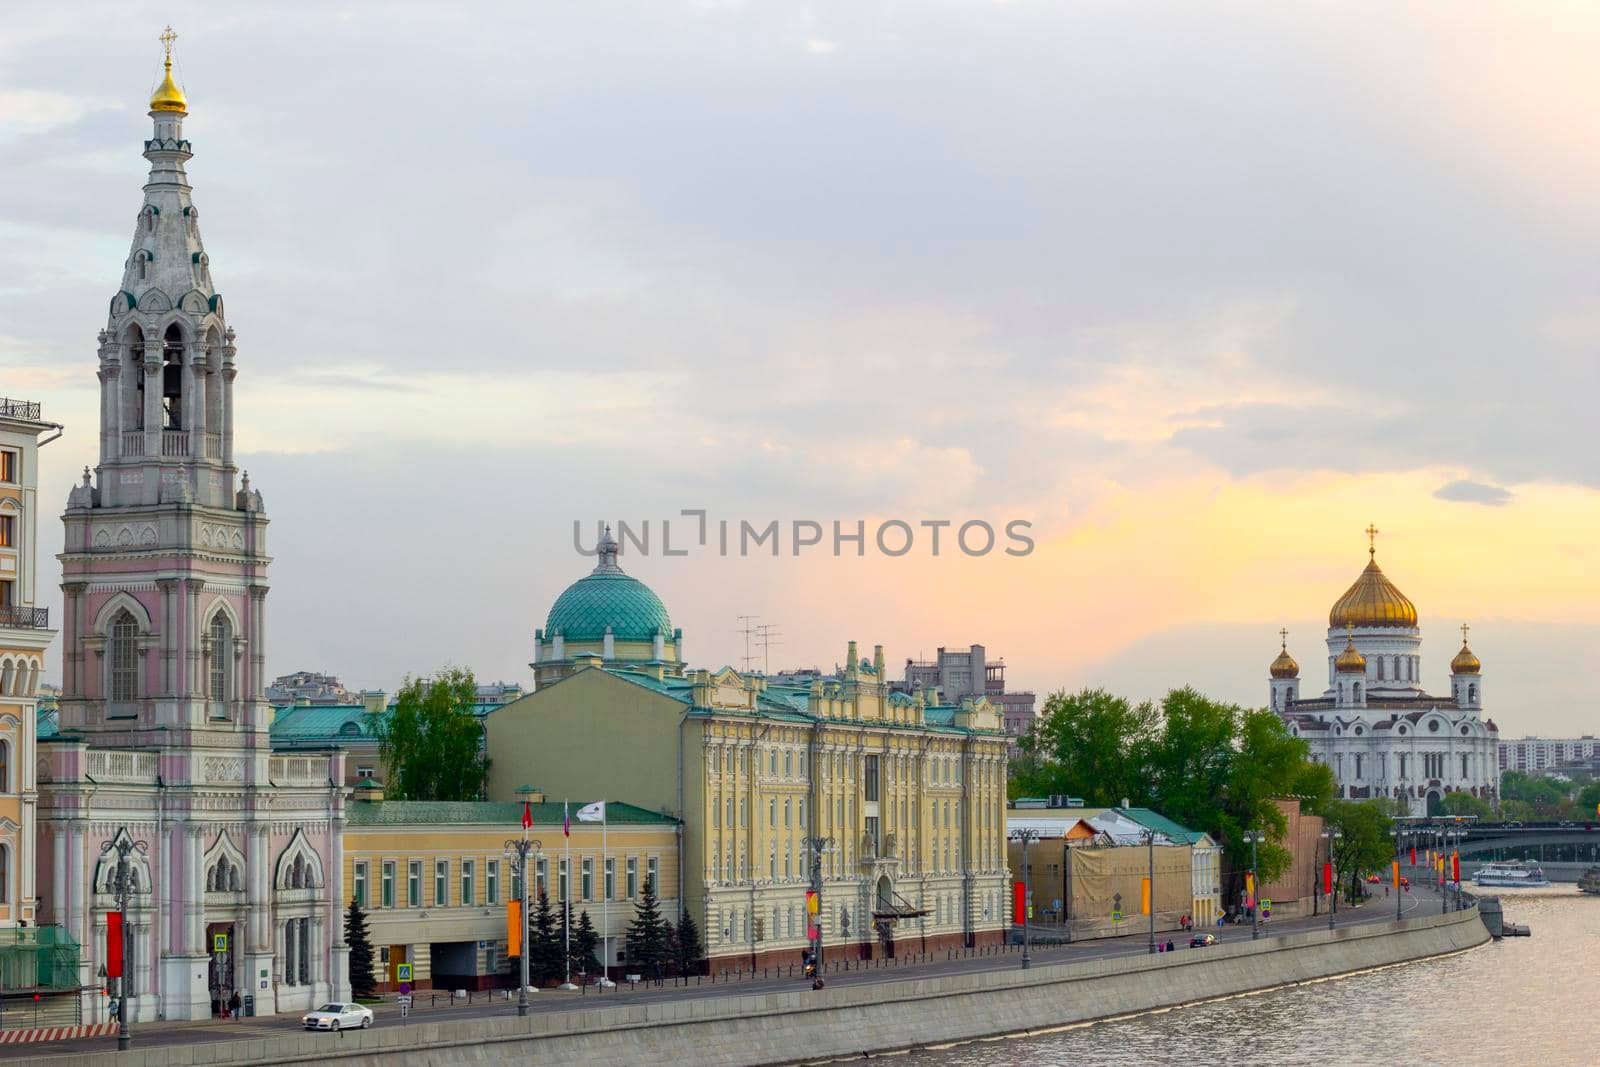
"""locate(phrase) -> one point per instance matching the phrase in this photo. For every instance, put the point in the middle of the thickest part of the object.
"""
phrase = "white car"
(338, 1016)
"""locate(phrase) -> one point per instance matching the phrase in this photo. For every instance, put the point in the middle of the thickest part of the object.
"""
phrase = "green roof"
(1152, 820)
(609, 598)
(322, 722)
(47, 722)
(489, 813)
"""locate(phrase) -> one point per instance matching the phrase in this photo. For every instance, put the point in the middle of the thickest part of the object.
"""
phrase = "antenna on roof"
(764, 637)
(747, 629)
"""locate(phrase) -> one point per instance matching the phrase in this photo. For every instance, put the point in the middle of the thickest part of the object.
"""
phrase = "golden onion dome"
(1373, 601)
(1285, 666)
(1465, 662)
(168, 97)
(1350, 661)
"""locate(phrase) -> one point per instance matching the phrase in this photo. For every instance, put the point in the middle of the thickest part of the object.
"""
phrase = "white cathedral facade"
(1375, 725)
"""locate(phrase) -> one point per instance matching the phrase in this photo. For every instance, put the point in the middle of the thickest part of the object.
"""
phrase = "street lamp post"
(122, 887)
(819, 846)
(1331, 835)
(520, 847)
(1254, 838)
(1399, 848)
(1026, 836)
(1150, 843)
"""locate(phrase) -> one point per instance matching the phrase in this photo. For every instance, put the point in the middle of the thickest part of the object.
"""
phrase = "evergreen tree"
(585, 939)
(669, 949)
(546, 957)
(362, 982)
(690, 951)
(647, 934)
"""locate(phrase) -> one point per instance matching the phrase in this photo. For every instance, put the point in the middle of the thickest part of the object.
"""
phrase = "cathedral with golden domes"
(1382, 734)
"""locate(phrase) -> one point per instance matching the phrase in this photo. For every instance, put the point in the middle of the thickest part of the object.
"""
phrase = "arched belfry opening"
(172, 378)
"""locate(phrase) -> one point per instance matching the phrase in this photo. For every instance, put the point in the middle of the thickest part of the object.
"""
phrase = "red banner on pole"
(1413, 855)
(1455, 866)
(113, 944)
(1019, 902)
(1327, 878)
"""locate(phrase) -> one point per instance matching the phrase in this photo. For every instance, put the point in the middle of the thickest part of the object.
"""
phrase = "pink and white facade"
(163, 722)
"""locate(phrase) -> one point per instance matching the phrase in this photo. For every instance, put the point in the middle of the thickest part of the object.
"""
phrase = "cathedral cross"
(1284, 635)
(1464, 629)
(166, 39)
(1372, 539)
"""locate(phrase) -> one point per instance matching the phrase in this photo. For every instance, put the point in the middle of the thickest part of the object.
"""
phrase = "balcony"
(25, 618)
(19, 409)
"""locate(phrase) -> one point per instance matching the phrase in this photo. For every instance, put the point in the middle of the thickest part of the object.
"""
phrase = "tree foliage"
(647, 934)
(1211, 766)
(690, 950)
(547, 950)
(585, 941)
(431, 742)
(363, 983)
(1459, 803)
(1365, 844)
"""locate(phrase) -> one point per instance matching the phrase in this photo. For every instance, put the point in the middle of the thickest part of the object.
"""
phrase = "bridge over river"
(1564, 849)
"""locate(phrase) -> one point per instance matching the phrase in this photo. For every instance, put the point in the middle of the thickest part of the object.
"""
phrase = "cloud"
(36, 110)
(1474, 493)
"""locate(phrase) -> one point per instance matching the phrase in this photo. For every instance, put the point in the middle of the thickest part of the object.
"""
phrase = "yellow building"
(25, 633)
(434, 879)
(907, 795)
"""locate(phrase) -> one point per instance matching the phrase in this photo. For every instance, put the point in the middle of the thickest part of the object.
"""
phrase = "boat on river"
(1590, 881)
(1510, 876)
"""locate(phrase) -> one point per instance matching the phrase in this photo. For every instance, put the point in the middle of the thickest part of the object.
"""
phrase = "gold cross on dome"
(1372, 539)
(166, 39)
(1464, 629)
(1284, 635)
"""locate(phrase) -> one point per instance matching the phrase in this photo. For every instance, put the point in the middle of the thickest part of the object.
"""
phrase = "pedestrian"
(1170, 947)
(234, 1004)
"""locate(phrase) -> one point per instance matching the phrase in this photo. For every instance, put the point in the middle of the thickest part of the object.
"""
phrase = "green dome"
(605, 598)
(612, 599)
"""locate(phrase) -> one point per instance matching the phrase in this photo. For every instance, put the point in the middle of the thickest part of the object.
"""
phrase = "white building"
(1537, 755)
(1374, 725)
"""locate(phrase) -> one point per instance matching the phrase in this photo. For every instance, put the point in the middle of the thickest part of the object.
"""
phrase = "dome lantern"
(608, 598)
(168, 97)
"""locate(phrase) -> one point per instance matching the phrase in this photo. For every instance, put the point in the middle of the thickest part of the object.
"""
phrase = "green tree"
(1548, 798)
(690, 951)
(1365, 844)
(1459, 803)
(431, 743)
(1089, 744)
(546, 948)
(363, 983)
(585, 940)
(647, 934)
(1589, 801)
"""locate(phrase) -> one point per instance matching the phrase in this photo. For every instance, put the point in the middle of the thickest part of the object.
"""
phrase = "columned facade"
(163, 740)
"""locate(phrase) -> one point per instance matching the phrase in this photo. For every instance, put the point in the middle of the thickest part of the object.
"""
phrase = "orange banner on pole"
(1249, 889)
(1397, 874)
(514, 927)
(1144, 896)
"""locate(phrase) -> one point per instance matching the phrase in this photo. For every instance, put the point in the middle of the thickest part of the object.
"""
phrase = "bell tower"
(164, 567)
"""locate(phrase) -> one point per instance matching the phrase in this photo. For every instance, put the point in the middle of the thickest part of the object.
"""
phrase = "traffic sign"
(219, 942)
(405, 989)
(402, 972)
(405, 1005)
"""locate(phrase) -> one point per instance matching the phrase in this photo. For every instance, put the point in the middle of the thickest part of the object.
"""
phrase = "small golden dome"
(1373, 601)
(1285, 666)
(168, 97)
(1350, 661)
(1465, 662)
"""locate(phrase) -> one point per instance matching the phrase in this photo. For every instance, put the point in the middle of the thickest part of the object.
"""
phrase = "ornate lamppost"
(123, 884)
(1330, 835)
(1027, 835)
(520, 847)
(819, 846)
(1254, 838)
(1150, 843)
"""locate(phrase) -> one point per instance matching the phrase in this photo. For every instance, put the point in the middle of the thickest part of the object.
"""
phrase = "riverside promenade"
(875, 1008)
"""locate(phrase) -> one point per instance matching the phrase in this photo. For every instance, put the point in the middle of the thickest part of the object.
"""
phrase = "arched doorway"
(1435, 802)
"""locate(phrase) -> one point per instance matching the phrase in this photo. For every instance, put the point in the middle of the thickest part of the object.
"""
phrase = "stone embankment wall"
(778, 1028)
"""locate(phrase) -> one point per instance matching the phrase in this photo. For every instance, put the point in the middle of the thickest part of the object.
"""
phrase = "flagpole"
(605, 894)
(566, 902)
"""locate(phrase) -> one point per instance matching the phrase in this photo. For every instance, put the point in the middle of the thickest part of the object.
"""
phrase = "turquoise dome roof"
(605, 598)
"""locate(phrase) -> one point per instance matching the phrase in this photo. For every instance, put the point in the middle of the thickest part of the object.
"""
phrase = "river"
(1521, 1000)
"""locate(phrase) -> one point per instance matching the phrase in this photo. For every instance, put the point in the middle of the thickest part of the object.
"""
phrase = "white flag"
(595, 812)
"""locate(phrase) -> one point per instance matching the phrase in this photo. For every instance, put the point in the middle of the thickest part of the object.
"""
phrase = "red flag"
(566, 822)
(1455, 866)
(1019, 902)
(1327, 878)
(1413, 855)
(527, 815)
(113, 944)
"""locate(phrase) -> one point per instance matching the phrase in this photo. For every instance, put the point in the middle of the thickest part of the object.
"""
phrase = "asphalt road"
(145, 1035)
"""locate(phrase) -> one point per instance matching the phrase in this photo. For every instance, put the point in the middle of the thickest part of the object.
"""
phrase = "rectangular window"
(611, 879)
(516, 880)
(541, 875)
(414, 884)
(652, 869)
(8, 531)
(441, 883)
(872, 832)
(469, 891)
(361, 884)
(633, 876)
(365, 772)
(388, 883)
(869, 779)
(588, 879)
(491, 882)
(8, 467)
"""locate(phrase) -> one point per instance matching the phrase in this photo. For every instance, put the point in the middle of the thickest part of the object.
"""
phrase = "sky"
(1197, 291)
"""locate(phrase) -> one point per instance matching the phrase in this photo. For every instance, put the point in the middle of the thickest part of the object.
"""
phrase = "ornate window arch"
(5, 766)
(224, 865)
(122, 658)
(299, 866)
